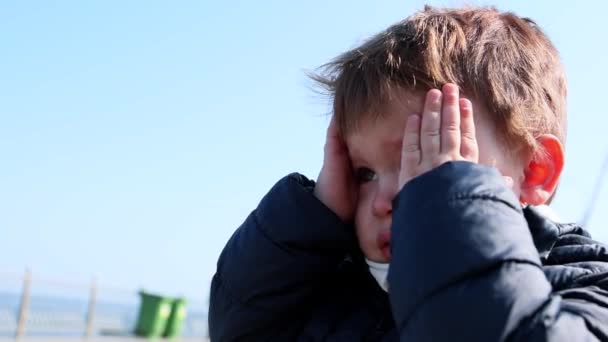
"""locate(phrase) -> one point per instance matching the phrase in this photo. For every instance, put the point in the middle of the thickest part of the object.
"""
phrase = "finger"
(410, 151)
(431, 123)
(450, 120)
(333, 139)
(468, 142)
(332, 129)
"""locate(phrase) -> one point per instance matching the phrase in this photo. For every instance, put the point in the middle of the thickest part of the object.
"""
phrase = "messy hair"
(499, 59)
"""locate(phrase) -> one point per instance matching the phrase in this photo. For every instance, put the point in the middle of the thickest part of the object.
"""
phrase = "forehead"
(354, 113)
(385, 131)
(391, 112)
(381, 131)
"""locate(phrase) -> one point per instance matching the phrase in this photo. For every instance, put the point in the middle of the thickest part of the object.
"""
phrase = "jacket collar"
(546, 231)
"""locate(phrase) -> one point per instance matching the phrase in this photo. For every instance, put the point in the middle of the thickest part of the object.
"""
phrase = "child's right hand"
(335, 186)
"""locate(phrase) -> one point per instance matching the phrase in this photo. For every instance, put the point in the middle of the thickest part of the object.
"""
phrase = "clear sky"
(136, 136)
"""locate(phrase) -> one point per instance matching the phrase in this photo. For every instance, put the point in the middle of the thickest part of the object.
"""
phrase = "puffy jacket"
(468, 264)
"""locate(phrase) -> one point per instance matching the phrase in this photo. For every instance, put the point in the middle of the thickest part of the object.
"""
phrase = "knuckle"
(468, 136)
(451, 99)
(451, 127)
(432, 133)
(411, 148)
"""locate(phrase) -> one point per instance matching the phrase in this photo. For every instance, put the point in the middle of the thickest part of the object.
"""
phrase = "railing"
(32, 306)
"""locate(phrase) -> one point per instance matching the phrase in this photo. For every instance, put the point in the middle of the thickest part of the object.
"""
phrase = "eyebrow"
(355, 157)
(355, 154)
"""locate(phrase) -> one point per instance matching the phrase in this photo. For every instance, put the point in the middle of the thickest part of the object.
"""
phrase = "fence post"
(90, 328)
(24, 305)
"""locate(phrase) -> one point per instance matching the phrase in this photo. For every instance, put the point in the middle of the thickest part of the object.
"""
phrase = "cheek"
(491, 152)
(362, 216)
(363, 219)
(494, 155)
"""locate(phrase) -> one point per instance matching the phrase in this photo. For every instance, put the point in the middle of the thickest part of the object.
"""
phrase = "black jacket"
(468, 264)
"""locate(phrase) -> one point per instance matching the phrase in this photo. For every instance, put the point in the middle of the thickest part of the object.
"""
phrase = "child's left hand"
(446, 132)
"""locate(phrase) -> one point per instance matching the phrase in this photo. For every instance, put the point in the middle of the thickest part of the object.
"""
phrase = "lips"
(384, 243)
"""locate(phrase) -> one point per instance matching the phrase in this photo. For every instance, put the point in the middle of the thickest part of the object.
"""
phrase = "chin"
(377, 257)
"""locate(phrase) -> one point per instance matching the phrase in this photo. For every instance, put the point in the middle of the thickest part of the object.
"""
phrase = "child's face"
(375, 151)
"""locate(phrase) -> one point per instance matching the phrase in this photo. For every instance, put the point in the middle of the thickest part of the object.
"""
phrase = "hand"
(446, 132)
(335, 186)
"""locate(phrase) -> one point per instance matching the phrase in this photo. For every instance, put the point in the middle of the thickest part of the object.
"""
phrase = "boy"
(412, 179)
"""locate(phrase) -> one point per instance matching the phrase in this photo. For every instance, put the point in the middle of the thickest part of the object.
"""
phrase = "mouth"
(384, 243)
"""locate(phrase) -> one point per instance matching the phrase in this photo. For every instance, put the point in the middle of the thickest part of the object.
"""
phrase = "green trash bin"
(176, 319)
(154, 311)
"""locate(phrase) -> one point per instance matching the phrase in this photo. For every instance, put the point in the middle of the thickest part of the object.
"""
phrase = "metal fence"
(33, 306)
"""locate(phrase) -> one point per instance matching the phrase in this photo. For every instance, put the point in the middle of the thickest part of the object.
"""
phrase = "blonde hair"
(502, 61)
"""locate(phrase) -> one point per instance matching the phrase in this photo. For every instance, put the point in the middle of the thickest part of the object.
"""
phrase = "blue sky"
(136, 136)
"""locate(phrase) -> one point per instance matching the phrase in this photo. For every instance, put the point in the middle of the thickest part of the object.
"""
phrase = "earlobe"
(543, 172)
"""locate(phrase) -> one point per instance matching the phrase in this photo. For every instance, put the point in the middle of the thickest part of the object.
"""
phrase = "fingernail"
(436, 96)
(449, 87)
(412, 120)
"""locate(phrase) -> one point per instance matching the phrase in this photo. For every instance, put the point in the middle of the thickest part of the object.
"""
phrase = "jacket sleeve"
(465, 267)
(273, 269)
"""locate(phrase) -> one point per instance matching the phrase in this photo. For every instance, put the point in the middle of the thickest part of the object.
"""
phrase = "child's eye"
(364, 175)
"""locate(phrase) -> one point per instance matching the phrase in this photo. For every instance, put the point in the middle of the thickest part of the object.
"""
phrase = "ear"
(542, 173)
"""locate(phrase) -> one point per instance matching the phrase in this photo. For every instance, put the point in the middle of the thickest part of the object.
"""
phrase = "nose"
(383, 200)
